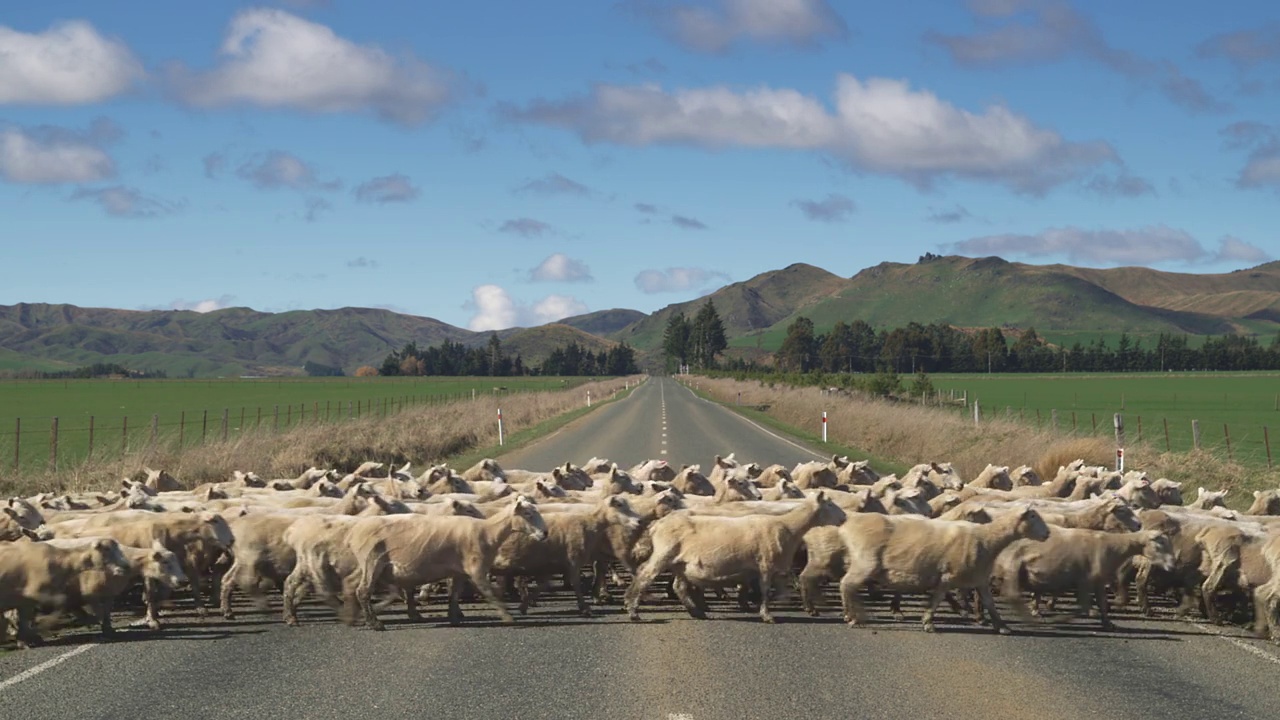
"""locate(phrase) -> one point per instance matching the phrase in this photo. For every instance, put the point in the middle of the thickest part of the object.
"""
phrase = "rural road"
(553, 664)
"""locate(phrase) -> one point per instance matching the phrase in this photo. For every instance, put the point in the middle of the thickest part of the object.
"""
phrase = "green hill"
(604, 322)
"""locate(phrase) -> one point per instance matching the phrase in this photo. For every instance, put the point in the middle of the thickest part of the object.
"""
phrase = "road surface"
(553, 664)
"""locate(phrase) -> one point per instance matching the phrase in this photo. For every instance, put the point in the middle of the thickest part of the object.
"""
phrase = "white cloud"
(677, 279)
(126, 202)
(203, 306)
(495, 309)
(68, 64)
(714, 27)
(51, 156)
(1263, 141)
(560, 268)
(279, 169)
(389, 188)
(878, 125)
(1141, 246)
(271, 58)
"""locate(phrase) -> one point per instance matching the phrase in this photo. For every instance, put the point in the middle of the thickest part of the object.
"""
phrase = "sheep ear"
(555, 473)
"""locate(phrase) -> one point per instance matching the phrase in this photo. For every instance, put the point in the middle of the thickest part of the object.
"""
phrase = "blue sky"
(501, 163)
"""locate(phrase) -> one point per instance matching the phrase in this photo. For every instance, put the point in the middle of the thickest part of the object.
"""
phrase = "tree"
(799, 348)
(366, 371)
(675, 341)
(495, 354)
(836, 352)
(706, 336)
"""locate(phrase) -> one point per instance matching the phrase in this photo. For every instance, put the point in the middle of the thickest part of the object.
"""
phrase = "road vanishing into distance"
(554, 664)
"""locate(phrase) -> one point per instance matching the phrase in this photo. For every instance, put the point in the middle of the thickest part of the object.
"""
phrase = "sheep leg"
(455, 611)
(151, 598)
(1140, 580)
(480, 578)
(600, 582)
(682, 589)
(193, 577)
(1011, 590)
(935, 599)
(1209, 587)
(770, 583)
(895, 607)
(102, 610)
(997, 622)
(364, 592)
(853, 579)
(1104, 610)
(644, 577)
(411, 605)
(574, 577)
(291, 595)
(229, 582)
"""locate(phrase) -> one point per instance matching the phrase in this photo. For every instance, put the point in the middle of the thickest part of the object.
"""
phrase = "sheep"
(653, 470)
(97, 589)
(814, 474)
(782, 491)
(160, 481)
(907, 501)
(1085, 561)
(691, 481)
(574, 534)
(736, 486)
(487, 470)
(1025, 476)
(419, 549)
(1232, 552)
(994, 478)
(1139, 493)
(1265, 502)
(944, 502)
(857, 473)
(1206, 499)
(705, 550)
(35, 574)
(909, 554)
(630, 547)
(772, 475)
(260, 554)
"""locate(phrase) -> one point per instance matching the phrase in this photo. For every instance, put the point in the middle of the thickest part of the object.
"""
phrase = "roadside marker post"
(500, 439)
(1119, 459)
(1118, 421)
(824, 426)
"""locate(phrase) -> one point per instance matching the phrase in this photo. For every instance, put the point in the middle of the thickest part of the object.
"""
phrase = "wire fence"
(58, 443)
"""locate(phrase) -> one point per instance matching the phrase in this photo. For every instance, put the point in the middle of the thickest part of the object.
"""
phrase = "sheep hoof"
(899, 617)
(584, 612)
(228, 615)
(1004, 630)
(153, 624)
(813, 612)
(415, 617)
(768, 619)
(291, 622)
(633, 616)
(507, 619)
(928, 627)
(1108, 626)
(377, 625)
(202, 611)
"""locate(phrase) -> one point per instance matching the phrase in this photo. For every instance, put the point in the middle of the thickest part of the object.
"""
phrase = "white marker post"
(500, 439)
(588, 398)
(824, 426)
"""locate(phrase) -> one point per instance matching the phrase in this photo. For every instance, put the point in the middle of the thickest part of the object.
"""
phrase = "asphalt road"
(553, 664)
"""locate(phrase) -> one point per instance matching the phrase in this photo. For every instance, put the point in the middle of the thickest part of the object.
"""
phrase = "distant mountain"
(1061, 301)
(604, 322)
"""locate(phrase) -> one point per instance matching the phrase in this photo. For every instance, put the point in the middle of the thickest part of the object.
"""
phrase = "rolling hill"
(1062, 302)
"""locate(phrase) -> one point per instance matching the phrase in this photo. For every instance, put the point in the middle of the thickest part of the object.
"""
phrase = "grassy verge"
(761, 417)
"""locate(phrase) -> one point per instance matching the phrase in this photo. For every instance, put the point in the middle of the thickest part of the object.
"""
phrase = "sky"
(493, 164)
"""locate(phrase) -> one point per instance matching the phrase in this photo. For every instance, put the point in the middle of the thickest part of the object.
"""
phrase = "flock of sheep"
(361, 542)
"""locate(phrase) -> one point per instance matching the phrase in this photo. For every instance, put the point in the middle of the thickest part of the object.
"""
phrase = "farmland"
(180, 407)
(1244, 402)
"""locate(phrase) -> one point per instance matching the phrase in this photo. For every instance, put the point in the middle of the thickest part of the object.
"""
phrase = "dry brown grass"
(908, 434)
(422, 435)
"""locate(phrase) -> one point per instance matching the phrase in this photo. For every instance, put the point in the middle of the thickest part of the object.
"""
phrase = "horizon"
(509, 167)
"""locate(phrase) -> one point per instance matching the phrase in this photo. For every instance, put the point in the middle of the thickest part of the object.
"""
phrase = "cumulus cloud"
(560, 268)
(953, 215)
(715, 26)
(1122, 185)
(52, 155)
(1245, 48)
(688, 223)
(1016, 33)
(1141, 246)
(271, 58)
(677, 279)
(1262, 168)
(278, 169)
(878, 126)
(495, 309)
(202, 306)
(526, 227)
(126, 202)
(389, 188)
(362, 262)
(833, 208)
(68, 64)
(554, 184)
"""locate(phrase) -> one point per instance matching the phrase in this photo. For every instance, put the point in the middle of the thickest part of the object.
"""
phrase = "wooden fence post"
(124, 436)
(90, 454)
(1139, 428)
(258, 424)
(288, 416)
(1195, 434)
(182, 428)
(155, 428)
(241, 428)
(226, 412)
(275, 423)
(1074, 426)
(53, 445)
(315, 412)
(1226, 433)
(1266, 439)
(1167, 446)
(1053, 419)
(1094, 416)
(326, 410)
(17, 443)
(204, 425)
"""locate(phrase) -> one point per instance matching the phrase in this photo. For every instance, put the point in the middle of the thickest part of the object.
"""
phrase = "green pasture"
(1241, 404)
(120, 412)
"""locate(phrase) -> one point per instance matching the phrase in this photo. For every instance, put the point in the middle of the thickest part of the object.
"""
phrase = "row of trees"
(453, 359)
(857, 347)
(96, 370)
(694, 342)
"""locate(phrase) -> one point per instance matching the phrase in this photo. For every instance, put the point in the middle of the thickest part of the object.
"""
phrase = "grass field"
(180, 406)
(1244, 402)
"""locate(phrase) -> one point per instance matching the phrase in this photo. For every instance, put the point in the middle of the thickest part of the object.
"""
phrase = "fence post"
(1167, 447)
(1266, 439)
(258, 424)
(1226, 432)
(1053, 419)
(155, 428)
(241, 427)
(17, 443)
(124, 436)
(1139, 428)
(53, 445)
(288, 415)
(315, 412)
(204, 425)
(1118, 421)
(349, 410)
(588, 398)
(182, 428)
(1094, 416)
(226, 412)
(1074, 426)
(1195, 434)
(824, 426)
(500, 438)
(326, 410)
(275, 421)
(90, 454)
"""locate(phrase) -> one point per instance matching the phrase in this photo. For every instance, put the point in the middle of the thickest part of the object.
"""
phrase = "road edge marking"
(753, 424)
(1238, 643)
(47, 664)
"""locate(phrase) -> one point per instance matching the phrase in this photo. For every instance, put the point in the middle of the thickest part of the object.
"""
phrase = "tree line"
(96, 370)
(695, 342)
(858, 347)
(454, 359)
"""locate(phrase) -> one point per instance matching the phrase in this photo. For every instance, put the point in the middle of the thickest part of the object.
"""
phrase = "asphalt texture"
(554, 664)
